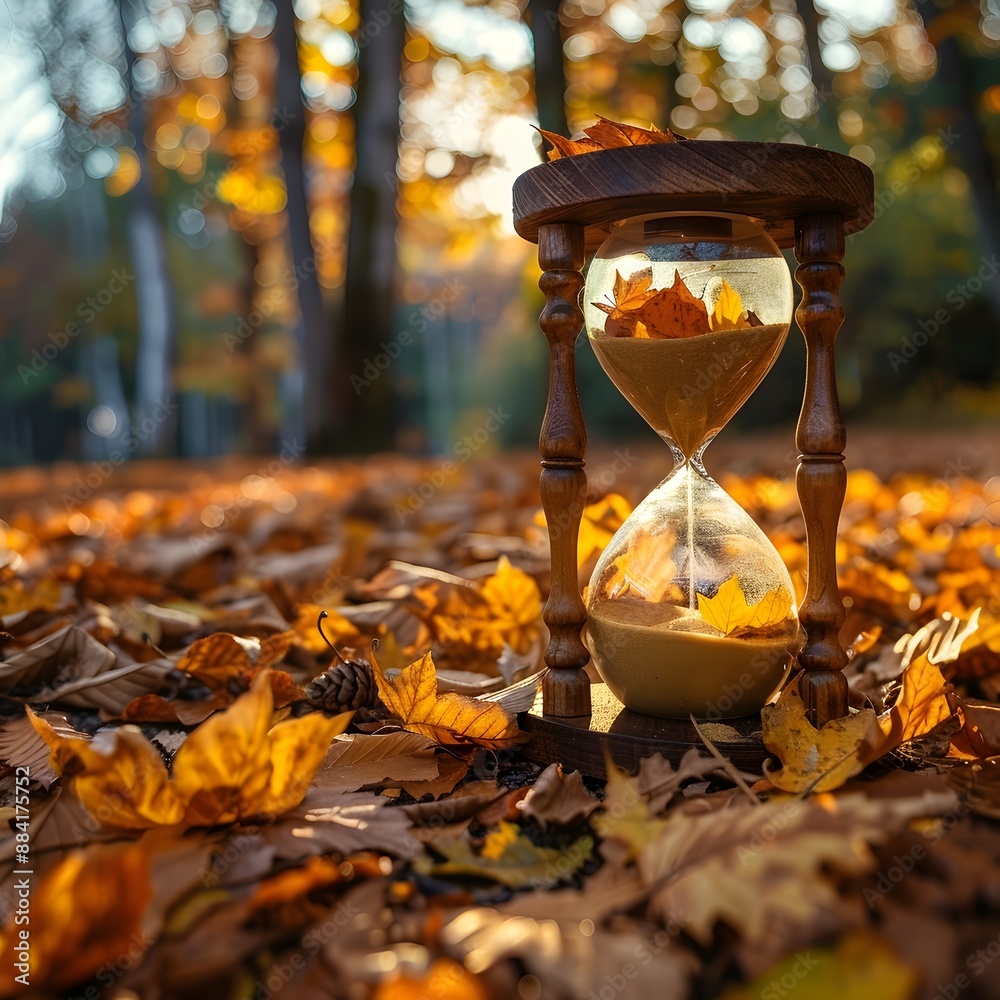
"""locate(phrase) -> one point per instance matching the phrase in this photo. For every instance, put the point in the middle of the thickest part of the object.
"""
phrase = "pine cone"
(344, 687)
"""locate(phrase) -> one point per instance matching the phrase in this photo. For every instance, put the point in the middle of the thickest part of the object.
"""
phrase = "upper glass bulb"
(714, 294)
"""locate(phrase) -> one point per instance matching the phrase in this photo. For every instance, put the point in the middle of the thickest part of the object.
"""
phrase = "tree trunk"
(155, 305)
(968, 139)
(364, 391)
(822, 78)
(550, 72)
(314, 338)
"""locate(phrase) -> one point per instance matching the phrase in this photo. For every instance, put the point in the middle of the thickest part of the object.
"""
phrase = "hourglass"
(686, 315)
(687, 304)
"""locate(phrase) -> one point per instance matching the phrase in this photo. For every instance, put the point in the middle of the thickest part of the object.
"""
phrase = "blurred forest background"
(246, 226)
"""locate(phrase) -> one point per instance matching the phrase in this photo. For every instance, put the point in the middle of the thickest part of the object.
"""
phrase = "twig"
(727, 765)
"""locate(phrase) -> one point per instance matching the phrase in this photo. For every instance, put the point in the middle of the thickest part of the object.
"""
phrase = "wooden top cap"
(773, 181)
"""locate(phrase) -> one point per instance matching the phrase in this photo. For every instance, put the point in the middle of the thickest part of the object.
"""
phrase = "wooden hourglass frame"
(806, 198)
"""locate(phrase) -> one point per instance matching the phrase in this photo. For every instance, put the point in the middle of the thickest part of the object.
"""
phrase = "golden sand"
(666, 661)
(690, 387)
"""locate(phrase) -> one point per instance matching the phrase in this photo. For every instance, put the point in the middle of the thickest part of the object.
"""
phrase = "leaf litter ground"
(219, 804)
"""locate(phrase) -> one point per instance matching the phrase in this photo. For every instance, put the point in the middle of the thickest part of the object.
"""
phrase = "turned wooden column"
(563, 483)
(820, 478)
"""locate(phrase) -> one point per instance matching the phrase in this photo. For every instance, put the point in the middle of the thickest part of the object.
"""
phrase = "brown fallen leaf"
(766, 869)
(70, 648)
(343, 823)
(358, 761)
(606, 134)
(448, 718)
(21, 746)
(558, 798)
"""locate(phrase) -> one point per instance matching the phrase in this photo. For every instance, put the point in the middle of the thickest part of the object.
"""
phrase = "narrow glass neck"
(694, 459)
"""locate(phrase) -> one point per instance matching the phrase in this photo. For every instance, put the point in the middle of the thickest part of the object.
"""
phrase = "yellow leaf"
(231, 767)
(46, 595)
(921, 705)
(499, 840)
(506, 608)
(815, 759)
(223, 768)
(297, 748)
(449, 718)
(118, 776)
(728, 610)
(514, 604)
(86, 913)
(598, 525)
(728, 313)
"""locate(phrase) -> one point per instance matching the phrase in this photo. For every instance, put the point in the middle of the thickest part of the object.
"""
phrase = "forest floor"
(203, 798)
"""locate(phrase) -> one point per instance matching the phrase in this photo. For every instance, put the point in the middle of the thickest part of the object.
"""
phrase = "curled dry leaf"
(21, 745)
(447, 718)
(233, 766)
(558, 798)
(67, 654)
(606, 134)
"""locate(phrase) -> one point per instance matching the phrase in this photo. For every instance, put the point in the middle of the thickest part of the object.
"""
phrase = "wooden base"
(578, 743)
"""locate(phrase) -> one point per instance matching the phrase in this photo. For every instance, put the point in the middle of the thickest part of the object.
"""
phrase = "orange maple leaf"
(449, 718)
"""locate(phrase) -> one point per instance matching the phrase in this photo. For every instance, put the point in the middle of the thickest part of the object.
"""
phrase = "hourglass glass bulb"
(690, 607)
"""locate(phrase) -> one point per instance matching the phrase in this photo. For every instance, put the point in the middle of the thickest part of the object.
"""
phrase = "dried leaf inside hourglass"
(690, 607)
